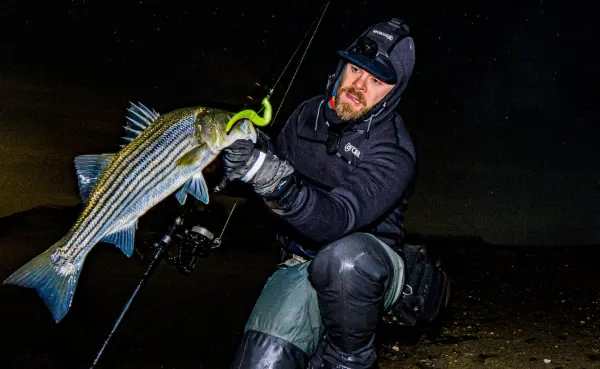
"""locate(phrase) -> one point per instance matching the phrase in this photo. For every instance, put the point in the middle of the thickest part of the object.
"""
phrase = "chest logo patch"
(354, 150)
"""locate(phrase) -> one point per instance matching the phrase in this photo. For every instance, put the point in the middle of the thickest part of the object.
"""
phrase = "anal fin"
(124, 238)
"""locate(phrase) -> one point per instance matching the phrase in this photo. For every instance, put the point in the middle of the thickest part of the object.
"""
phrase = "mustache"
(353, 91)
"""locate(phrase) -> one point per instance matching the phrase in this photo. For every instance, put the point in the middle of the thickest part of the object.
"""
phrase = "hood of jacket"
(402, 57)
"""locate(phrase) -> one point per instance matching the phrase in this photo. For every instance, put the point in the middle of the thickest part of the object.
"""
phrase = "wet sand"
(512, 307)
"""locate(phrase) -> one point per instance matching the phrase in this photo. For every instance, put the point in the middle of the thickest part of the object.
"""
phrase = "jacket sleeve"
(289, 132)
(375, 186)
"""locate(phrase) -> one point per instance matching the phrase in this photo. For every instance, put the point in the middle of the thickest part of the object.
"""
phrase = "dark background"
(502, 104)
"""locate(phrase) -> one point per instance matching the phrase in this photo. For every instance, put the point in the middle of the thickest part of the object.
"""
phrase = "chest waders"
(286, 325)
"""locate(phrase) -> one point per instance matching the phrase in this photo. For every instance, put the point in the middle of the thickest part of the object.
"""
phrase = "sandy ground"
(512, 307)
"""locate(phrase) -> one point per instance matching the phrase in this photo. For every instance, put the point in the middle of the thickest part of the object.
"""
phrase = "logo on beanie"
(386, 35)
(354, 150)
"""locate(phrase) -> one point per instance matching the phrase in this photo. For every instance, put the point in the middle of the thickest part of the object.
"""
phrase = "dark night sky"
(502, 105)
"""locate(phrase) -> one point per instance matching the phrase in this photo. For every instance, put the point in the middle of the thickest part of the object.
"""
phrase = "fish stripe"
(162, 171)
(135, 179)
(116, 201)
(146, 184)
(142, 151)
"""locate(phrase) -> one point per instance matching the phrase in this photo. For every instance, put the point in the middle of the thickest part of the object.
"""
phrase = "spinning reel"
(187, 245)
(193, 243)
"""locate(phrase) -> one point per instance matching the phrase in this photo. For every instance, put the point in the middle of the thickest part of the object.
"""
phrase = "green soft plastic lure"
(253, 116)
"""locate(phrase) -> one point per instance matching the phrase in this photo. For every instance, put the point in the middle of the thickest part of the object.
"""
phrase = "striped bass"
(162, 155)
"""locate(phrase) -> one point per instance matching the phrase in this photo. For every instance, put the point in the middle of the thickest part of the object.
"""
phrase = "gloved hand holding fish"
(162, 155)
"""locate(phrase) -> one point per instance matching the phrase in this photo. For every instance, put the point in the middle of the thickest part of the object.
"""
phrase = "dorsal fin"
(88, 169)
(138, 118)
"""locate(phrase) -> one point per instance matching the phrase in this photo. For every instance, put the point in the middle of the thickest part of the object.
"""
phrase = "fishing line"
(317, 20)
(302, 59)
(293, 55)
(167, 238)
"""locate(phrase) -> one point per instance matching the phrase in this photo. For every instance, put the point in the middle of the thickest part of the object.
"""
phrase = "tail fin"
(54, 278)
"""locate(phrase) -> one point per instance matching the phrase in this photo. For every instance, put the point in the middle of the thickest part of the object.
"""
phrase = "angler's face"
(358, 92)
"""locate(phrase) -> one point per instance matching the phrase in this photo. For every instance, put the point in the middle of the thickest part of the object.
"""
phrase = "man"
(340, 174)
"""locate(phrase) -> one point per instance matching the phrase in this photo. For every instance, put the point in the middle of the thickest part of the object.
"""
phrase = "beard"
(345, 110)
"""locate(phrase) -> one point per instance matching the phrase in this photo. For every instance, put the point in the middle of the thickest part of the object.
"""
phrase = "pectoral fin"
(196, 186)
(191, 157)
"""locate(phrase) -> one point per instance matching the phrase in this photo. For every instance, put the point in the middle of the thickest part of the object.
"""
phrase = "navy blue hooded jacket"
(365, 185)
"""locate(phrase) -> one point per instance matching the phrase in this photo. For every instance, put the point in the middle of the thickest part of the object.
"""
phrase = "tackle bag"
(426, 289)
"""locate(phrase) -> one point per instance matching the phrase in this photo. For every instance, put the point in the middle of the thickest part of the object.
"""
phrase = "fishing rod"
(310, 31)
(266, 104)
(194, 243)
(301, 59)
(198, 241)
(161, 247)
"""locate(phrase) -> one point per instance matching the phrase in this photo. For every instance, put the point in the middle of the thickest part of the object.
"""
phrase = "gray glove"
(264, 171)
